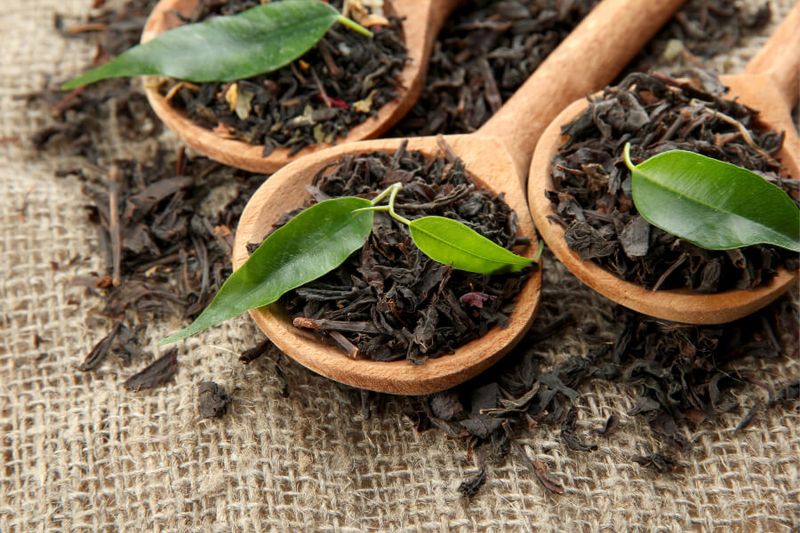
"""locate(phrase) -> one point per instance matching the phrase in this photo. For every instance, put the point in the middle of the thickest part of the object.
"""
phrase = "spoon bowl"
(286, 190)
(497, 156)
(677, 305)
(769, 85)
(420, 20)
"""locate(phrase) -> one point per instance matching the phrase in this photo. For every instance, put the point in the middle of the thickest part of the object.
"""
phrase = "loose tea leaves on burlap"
(390, 301)
(80, 117)
(593, 186)
(173, 216)
(341, 82)
(682, 376)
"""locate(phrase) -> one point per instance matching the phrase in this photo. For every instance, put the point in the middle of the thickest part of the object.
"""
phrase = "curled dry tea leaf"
(713, 204)
(309, 246)
(450, 242)
(256, 41)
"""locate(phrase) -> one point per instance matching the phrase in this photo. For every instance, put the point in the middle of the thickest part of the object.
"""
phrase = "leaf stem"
(742, 131)
(626, 154)
(394, 189)
(390, 191)
(383, 194)
(353, 25)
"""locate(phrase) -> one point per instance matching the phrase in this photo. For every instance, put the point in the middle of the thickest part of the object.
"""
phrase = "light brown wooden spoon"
(770, 84)
(421, 21)
(497, 156)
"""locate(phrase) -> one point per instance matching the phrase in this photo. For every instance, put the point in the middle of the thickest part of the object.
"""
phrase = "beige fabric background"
(80, 453)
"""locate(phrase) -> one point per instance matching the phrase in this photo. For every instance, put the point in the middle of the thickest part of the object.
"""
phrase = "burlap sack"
(80, 453)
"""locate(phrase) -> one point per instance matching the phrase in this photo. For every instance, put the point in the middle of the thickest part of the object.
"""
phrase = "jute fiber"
(81, 453)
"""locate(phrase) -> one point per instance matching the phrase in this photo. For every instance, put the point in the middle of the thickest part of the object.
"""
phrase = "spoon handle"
(438, 12)
(780, 58)
(585, 62)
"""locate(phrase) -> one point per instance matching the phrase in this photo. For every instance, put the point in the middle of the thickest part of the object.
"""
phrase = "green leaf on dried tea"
(450, 242)
(256, 41)
(310, 245)
(713, 204)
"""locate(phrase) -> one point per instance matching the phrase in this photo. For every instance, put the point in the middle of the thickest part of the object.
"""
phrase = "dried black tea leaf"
(446, 405)
(482, 426)
(657, 461)
(100, 351)
(610, 426)
(470, 486)
(635, 237)
(212, 400)
(158, 373)
(251, 354)
(749, 417)
(540, 471)
(568, 434)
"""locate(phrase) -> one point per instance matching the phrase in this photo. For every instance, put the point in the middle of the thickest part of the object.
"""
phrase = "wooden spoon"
(770, 84)
(497, 157)
(421, 21)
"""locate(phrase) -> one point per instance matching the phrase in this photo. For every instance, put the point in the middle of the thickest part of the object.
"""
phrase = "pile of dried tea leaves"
(166, 233)
(680, 375)
(390, 301)
(157, 216)
(341, 82)
(482, 56)
(593, 187)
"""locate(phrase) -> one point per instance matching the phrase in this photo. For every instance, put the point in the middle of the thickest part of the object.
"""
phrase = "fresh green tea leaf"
(450, 242)
(256, 41)
(713, 204)
(309, 246)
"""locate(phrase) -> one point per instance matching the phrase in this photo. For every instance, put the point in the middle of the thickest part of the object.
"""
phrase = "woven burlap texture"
(81, 453)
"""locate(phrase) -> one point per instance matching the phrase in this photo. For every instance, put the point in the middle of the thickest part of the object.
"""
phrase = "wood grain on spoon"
(497, 157)
(421, 21)
(770, 84)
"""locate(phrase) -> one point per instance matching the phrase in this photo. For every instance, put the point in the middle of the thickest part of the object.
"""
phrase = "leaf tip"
(169, 339)
(74, 83)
